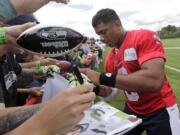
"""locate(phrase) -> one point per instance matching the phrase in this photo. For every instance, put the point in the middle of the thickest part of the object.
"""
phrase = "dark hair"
(104, 16)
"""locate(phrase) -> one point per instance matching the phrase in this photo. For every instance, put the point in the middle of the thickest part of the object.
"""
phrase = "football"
(65, 66)
(52, 41)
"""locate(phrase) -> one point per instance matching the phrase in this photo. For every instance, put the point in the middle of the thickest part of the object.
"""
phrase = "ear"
(117, 23)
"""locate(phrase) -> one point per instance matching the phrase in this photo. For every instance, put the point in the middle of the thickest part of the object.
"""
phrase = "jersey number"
(132, 96)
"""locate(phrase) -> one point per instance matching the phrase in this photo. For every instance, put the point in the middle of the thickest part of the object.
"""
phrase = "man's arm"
(149, 78)
(29, 6)
(60, 114)
(40, 62)
(10, 118)
(12, 8)
(34, 91)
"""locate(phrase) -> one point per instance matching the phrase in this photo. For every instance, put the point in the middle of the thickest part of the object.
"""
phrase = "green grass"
(104, 56)
(173, 55)
(174, 79)
(172, 59)
(171, 42)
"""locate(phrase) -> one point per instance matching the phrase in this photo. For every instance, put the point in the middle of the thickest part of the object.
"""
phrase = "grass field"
(172, 50)
(173, 60)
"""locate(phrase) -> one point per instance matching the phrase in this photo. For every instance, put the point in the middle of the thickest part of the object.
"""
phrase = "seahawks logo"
(52, 35)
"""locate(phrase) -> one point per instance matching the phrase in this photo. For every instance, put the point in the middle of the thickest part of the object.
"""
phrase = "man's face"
(108, 33)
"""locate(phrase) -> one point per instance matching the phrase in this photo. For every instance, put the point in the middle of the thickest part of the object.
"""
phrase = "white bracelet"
(115, 92)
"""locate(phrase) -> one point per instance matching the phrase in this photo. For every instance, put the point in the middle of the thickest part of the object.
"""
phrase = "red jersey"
(140, 46)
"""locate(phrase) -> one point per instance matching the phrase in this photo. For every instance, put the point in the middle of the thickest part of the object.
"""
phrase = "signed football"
(52, 41)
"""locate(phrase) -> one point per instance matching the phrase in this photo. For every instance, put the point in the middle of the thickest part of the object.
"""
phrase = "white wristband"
(115, 92)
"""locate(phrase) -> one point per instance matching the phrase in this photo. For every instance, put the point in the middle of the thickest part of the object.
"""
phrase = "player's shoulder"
(143, 32)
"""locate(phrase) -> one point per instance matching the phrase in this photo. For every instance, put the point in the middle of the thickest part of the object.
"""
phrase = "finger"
(39, 93)
(83, 70)
(87, 97)
(28, 25)
(83, 107)
(84, 88)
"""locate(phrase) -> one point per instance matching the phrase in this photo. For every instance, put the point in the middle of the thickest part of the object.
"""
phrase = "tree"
(170, 31)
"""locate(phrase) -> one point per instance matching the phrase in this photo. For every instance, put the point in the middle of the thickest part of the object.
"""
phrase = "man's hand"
(50, 61)
(32, 56)
(12, 32)
(65, 110)
(85, 60)
(47, 70)
(34, 91)
(91, 74)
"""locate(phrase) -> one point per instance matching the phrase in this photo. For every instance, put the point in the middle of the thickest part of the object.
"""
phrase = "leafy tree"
(169, 31)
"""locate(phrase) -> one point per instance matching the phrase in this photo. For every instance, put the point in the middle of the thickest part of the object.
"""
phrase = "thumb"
(12, 32)
(28, 25)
